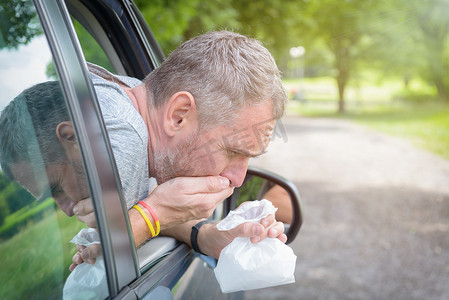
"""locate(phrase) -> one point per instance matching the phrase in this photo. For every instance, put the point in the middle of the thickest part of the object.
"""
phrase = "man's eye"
(231, 153)
(56, 190)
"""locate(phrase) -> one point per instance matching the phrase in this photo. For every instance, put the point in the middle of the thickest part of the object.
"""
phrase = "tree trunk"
(442, 89)
(343, 66)
(341, 96)
(342, 80)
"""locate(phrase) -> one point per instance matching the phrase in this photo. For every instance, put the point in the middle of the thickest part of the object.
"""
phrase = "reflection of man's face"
(223, 150)
(65, 182)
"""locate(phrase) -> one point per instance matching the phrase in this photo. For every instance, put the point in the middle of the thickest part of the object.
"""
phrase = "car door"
(43, 29)
(167, 268)
(161, 269)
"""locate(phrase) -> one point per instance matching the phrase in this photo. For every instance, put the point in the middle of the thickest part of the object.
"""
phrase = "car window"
(91, 49)
(100, 48)
(41, 175)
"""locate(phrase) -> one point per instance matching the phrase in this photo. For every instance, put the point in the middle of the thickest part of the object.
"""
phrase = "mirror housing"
(297, 213)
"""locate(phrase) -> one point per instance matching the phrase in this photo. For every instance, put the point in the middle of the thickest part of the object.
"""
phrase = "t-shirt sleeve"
(128, 146)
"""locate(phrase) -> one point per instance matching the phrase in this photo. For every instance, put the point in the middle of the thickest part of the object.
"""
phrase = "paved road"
(376, 213)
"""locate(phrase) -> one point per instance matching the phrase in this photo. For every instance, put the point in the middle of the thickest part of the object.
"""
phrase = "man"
(181, 120)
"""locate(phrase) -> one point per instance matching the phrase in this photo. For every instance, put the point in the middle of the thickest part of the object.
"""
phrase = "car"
(52, 40)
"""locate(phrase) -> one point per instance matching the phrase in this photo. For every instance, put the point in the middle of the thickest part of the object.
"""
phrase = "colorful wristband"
(144, 216)
(156, 221)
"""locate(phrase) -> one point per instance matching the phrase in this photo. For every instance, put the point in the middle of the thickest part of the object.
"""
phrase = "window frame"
(121, 27)
(118, 247)
(128, 22)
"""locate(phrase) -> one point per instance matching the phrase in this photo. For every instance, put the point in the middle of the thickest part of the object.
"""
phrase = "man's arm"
(175, 202)
(211, 241)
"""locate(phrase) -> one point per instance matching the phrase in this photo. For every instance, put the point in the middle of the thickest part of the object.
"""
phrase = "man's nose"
(65, 204)
(236, 171)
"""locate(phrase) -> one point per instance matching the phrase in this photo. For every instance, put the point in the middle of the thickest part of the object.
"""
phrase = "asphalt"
(376, 213)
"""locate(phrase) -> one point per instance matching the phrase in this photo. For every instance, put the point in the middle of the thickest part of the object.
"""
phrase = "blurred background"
(380, 62)
(365, 138)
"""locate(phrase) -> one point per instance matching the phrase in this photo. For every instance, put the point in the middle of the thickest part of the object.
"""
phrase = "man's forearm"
(140, 229)
(181, 232)
(142, 233)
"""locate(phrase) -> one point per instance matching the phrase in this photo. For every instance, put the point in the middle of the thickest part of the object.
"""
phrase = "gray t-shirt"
(127, 132)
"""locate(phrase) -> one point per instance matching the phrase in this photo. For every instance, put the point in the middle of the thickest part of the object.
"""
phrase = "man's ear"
(180, 113)
(66, 135)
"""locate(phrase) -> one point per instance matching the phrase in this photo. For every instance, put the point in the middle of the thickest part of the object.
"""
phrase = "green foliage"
(17, 197)
(168, 19)
(51, 71)
(413, 42)
(344, 27)
(431, 18)
(91, 49)
(4, 210)
(15, 221)
(18, 23)
(412, 113)
(426, 125)
(415, 97)
(250, 190)
(273, 22)
(173, 22)
(13, 194)
(212, 15)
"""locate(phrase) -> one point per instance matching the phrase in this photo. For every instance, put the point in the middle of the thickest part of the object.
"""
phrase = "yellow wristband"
(158, 225)
(144, 216)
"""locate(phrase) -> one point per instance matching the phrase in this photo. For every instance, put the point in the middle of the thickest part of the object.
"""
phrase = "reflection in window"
(41, 175)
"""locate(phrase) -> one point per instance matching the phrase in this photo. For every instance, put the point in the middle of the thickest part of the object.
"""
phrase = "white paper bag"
(87, 281)
(243, 265)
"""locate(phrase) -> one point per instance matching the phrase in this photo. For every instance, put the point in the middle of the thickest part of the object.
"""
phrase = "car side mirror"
(261, 184)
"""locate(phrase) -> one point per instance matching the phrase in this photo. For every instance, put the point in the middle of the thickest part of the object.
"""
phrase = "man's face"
(65, 182)
(223, 150)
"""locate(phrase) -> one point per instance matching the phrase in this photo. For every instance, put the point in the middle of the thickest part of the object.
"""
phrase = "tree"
(414, 42)
(18, 23)
(431, 17)
(273, 22)
(168, 19)
(270, 21)
(344, 27)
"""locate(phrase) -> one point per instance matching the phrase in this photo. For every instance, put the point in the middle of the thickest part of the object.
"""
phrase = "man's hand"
(211, 241)
(188, 198)
(84, 212)
(85, 254)
(180, 200)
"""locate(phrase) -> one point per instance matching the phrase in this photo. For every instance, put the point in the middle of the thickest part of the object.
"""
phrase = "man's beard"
(171, 163)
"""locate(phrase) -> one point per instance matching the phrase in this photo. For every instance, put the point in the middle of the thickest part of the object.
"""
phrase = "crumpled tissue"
(87, 281)
(243, 265)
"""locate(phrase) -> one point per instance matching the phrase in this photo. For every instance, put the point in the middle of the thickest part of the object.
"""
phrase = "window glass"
(41, 174)
(91, 49)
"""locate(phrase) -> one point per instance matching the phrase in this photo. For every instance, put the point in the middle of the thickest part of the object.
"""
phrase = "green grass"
(426, 125)
(35, 261)
(413, 113)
